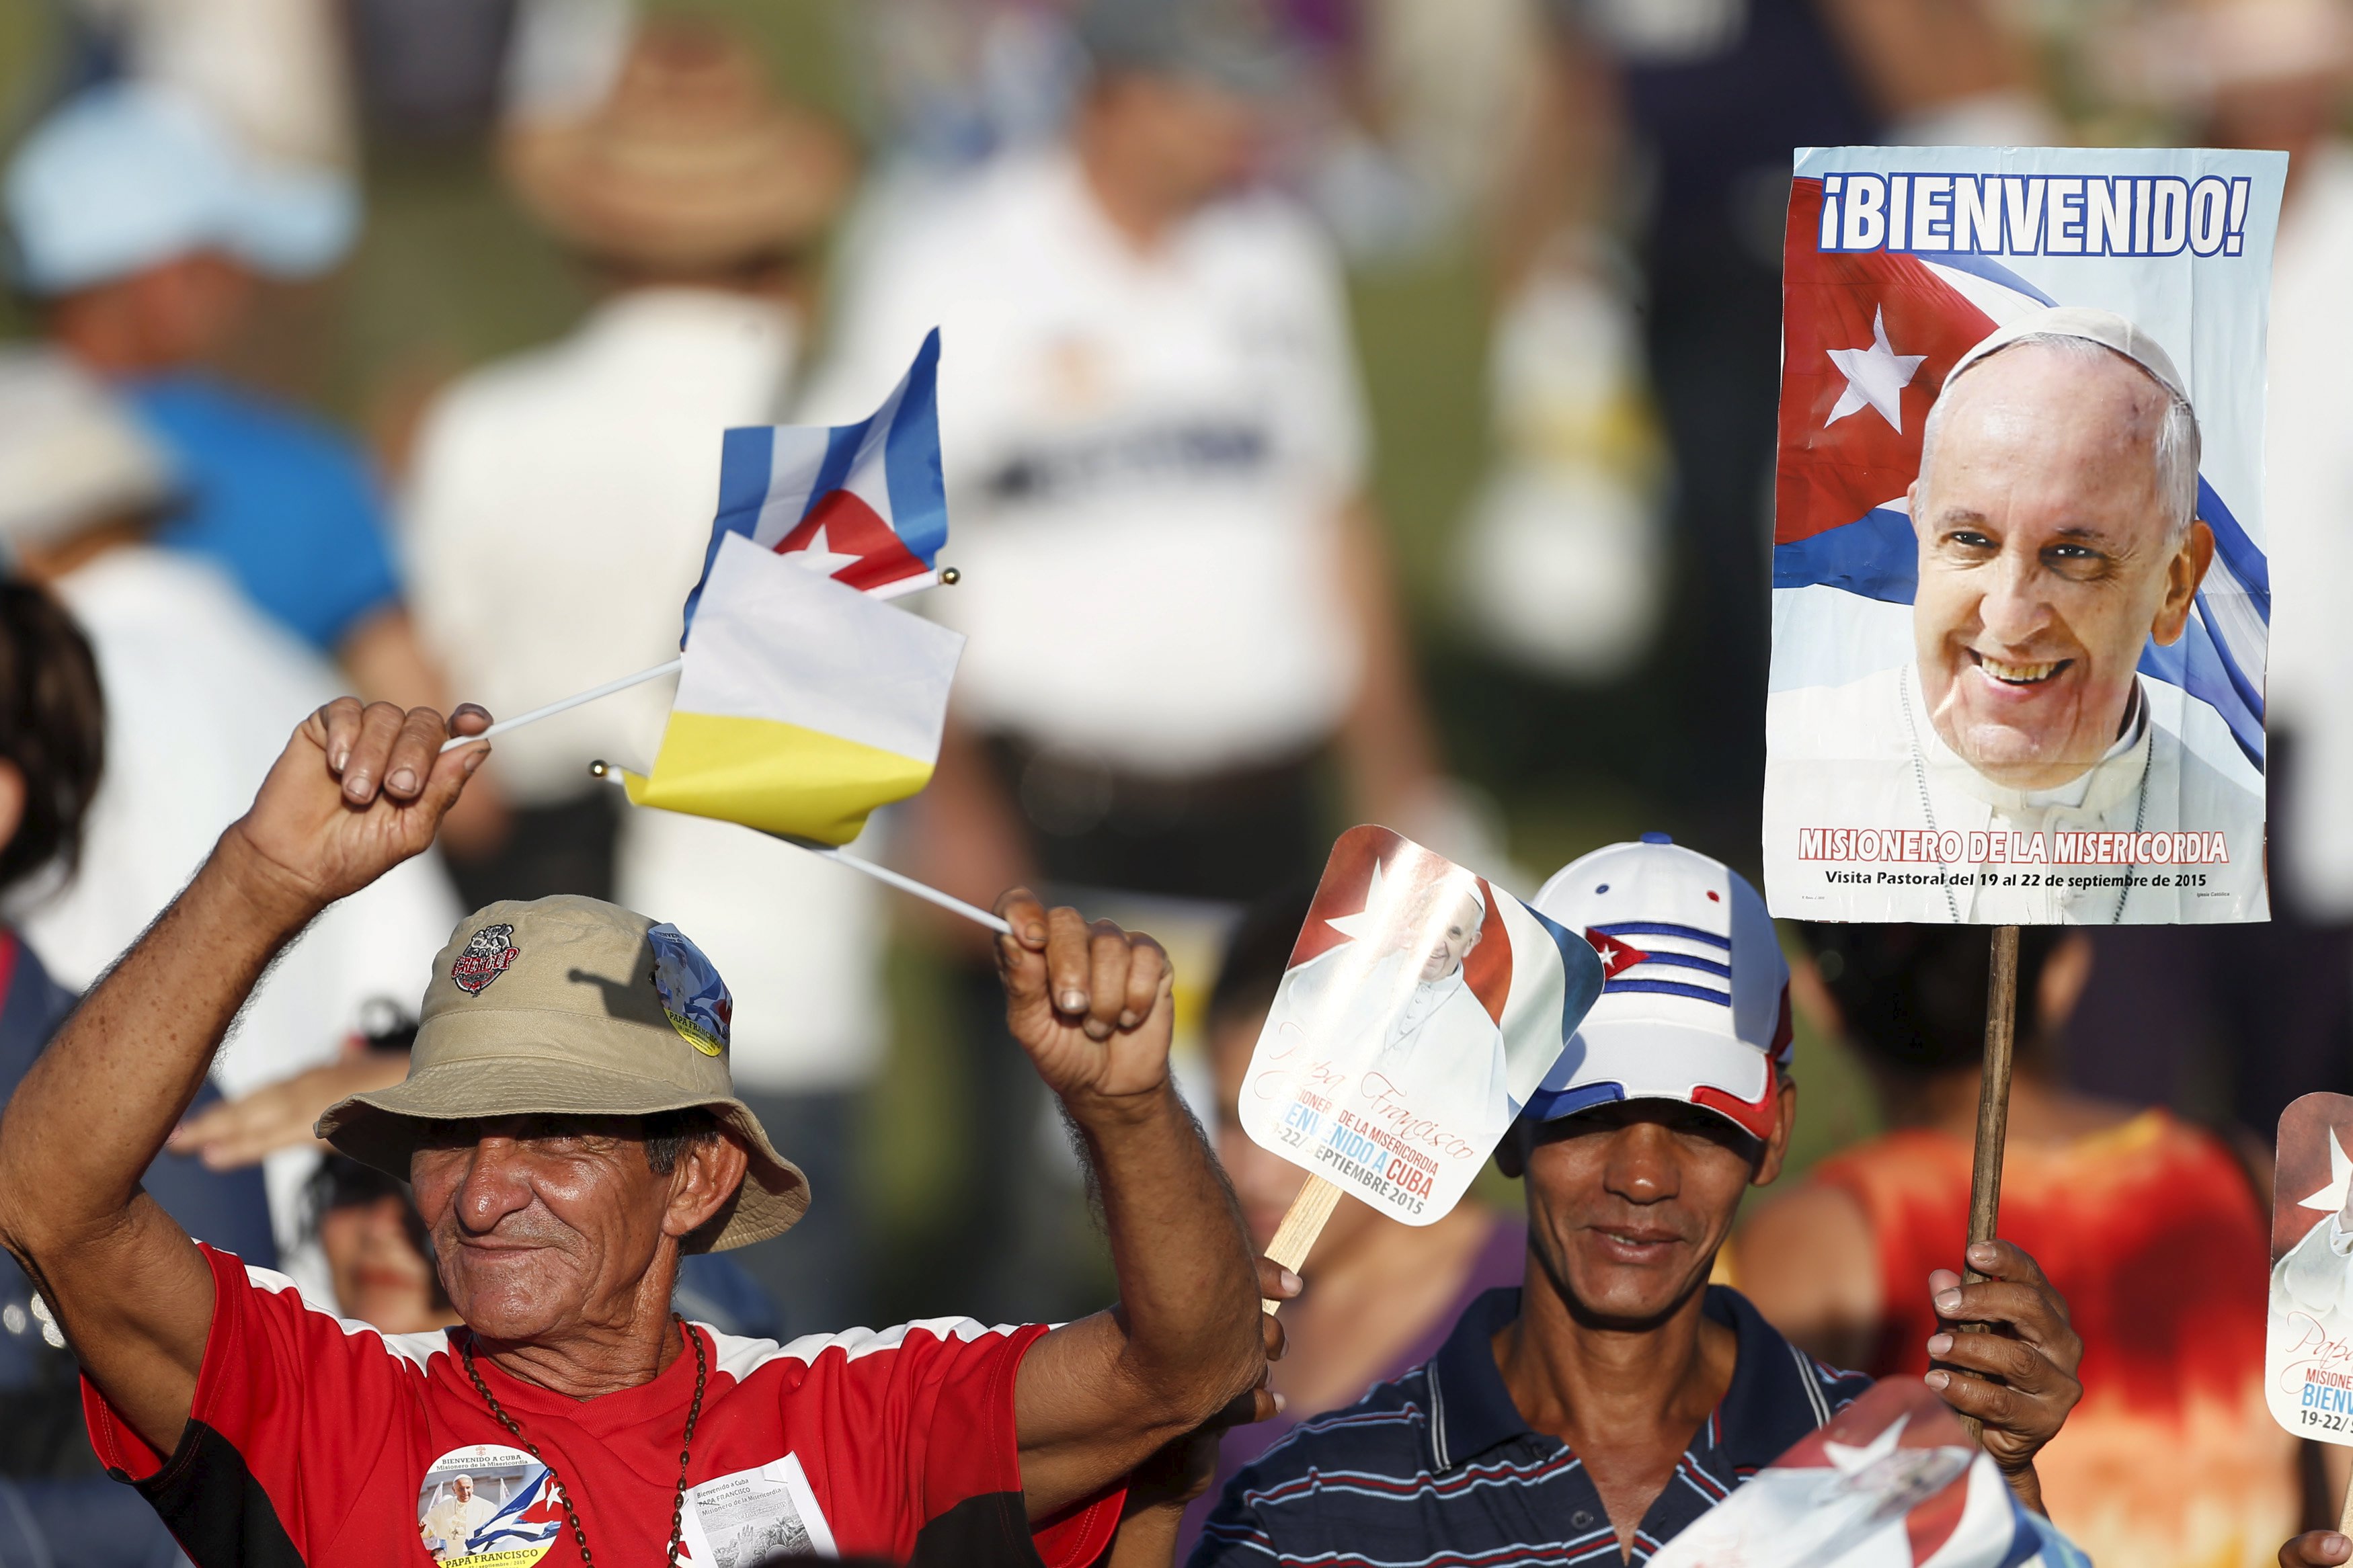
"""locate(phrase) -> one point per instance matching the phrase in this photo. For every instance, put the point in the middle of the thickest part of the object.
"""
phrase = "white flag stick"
(929, 894)
(574, 701)
(882, 874)
(904, 586)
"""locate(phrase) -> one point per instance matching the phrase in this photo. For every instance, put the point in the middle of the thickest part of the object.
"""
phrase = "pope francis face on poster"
(2053, 513)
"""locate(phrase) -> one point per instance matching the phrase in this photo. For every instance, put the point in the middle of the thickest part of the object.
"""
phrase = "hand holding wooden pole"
(1993, 1109)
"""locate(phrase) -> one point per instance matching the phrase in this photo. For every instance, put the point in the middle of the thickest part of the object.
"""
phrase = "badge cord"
(1993, 1116)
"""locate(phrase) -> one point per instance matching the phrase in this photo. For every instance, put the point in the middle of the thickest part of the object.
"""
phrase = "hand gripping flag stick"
(1993, 1112)
(947, 577)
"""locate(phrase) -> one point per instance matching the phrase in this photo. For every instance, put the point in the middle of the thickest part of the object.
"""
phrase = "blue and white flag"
(864, 505)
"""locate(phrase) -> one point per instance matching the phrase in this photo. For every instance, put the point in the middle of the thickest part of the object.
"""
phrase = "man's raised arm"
(1095, 1398)
(356, 791)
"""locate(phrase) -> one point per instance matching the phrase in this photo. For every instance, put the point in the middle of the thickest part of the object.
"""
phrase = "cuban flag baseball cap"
(128, 175)
(1695, 1005)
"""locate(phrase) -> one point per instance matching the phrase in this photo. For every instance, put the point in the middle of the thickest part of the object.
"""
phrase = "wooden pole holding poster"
(1993, 1108)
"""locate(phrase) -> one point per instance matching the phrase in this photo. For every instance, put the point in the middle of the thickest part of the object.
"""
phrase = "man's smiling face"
(2047, 561)
(1628, 1201)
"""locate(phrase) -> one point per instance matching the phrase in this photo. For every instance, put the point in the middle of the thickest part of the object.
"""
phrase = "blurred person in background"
(1151, 417)
(1155, 443)
(2172, 1459)
(143, 233)
(1673, 125)
(272, 72)
(557, 512)
(55, 1504)
(200, 689)
(2265, 1012)
(1383, 1294)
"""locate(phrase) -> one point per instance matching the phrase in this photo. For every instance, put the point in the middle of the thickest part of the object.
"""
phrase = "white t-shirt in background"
(557, 512)
(1145, 454)
(2308, 512)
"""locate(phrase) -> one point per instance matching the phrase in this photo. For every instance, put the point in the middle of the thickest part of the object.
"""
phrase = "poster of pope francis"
(2020, 597)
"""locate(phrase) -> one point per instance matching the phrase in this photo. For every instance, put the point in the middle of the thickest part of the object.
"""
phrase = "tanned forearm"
(93, 1113)
(1184, 1341)
(1187, 1294)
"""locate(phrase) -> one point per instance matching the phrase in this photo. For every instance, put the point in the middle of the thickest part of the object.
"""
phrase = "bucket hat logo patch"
(693, 998)
(489, 954)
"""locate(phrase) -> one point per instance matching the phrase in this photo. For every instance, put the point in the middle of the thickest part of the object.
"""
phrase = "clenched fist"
(1089, 1003)
(356, 791)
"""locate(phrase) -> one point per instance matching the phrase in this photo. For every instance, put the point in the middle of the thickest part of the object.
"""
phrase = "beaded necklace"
(563, 1492)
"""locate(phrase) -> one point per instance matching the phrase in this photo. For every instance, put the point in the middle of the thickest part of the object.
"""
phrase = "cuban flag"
(864, 505)
(1891, 1481)
(1868, 339)
(533, 1517)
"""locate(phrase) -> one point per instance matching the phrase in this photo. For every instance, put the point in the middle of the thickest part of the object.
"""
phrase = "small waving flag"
(863, 504)
(802, 704)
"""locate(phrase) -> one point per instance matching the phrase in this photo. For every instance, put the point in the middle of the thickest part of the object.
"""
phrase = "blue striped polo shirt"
(1438, 1468)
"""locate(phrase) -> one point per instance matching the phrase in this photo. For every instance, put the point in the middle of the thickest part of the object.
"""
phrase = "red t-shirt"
(318, 1441)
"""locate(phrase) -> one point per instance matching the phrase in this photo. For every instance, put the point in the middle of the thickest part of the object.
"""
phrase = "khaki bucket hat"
(572, 1007)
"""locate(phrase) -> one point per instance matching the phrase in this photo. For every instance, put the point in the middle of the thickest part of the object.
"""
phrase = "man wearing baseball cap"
(1598, 1410)
(143, 230)
(570, 1128)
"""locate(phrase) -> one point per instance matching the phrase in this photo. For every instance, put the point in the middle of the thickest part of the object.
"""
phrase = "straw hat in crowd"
(692, 163)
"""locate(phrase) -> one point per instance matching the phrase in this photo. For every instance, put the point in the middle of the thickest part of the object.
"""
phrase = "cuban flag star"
(864, 505)
(532, 1518)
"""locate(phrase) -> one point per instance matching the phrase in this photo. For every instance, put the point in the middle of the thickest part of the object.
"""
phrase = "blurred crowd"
(1387, 388)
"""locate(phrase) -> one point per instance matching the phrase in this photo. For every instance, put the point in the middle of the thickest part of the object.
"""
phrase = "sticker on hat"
(693, 998)
(490, 1506)
(490, 953)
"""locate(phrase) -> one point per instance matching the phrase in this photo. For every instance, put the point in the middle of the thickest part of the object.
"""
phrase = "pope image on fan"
(1397, 1000)
(1421, 1008)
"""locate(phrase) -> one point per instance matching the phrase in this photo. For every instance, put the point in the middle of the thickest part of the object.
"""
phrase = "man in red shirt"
(570, 1129)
